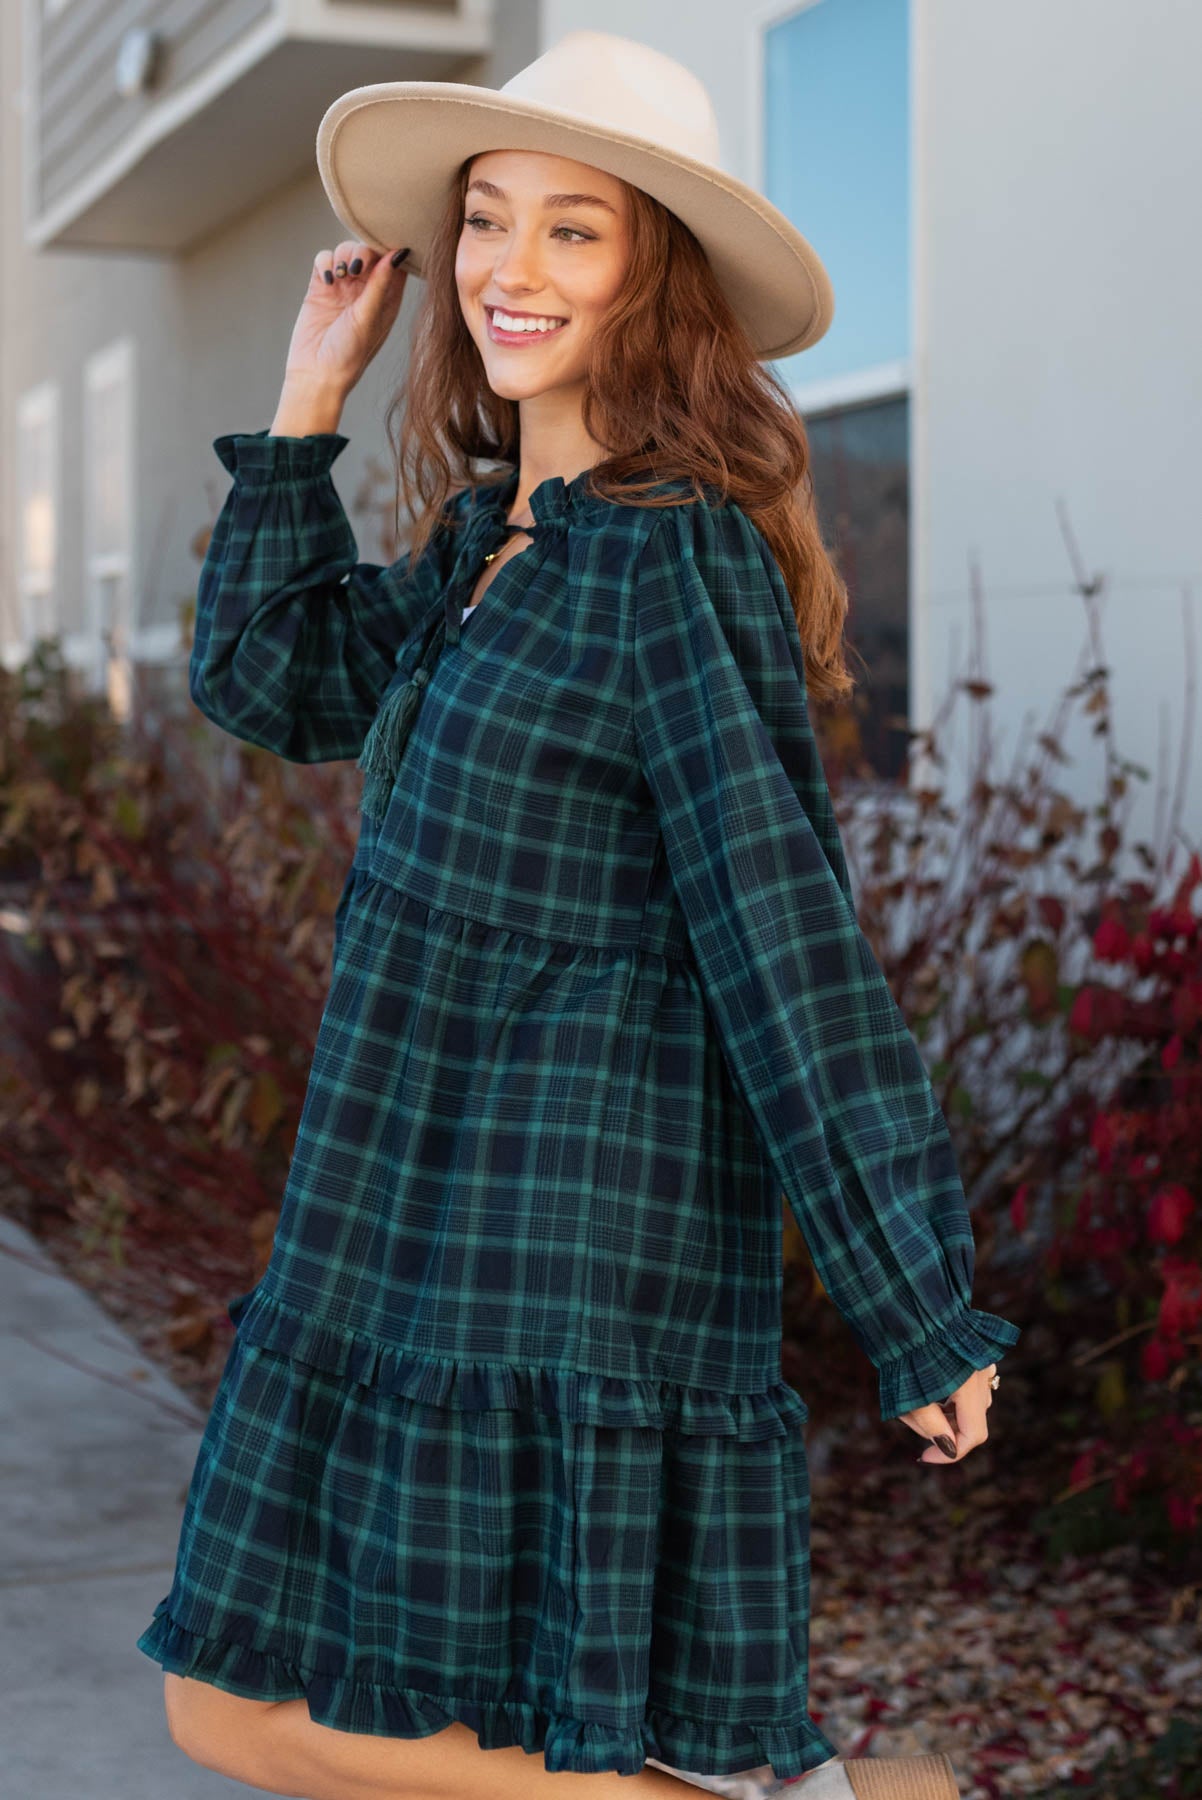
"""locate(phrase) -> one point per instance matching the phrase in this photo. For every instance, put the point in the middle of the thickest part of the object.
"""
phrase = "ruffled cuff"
(258, 456)
(930, 1371)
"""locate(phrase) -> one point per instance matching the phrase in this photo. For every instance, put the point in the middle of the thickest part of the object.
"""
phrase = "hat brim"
(387, 155)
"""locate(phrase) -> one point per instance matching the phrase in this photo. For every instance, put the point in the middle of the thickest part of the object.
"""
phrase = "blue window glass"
(837, 164)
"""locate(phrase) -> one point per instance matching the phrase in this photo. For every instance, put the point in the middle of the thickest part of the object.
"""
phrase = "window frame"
(108, 643)
(881, 381)
(40, 406)
(897, 379)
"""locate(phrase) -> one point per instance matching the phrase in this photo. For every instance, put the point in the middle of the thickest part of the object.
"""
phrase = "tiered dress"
(503, 1436)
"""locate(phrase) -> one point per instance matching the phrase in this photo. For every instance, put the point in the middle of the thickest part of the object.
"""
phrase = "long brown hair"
(673, 390)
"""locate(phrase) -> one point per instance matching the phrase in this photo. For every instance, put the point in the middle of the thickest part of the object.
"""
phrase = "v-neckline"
(555, 505)
(480, 533)
(495, 592)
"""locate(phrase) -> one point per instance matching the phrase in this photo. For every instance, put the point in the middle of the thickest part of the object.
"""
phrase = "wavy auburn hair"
(673, 389)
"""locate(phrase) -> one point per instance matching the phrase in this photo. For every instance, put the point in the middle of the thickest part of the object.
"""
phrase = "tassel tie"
(382, 747)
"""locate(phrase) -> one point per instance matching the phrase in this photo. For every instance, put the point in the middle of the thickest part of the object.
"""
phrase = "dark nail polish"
(400, 256)
(329, 276)
(356, 265)
(946, 1444)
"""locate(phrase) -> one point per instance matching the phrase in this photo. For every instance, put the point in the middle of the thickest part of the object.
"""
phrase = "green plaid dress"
(502, 1436)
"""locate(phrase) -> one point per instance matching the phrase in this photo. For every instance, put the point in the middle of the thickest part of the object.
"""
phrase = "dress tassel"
(383, 744)
(381, 754)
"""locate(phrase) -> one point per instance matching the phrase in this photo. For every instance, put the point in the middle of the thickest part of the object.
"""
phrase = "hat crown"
(623, 86)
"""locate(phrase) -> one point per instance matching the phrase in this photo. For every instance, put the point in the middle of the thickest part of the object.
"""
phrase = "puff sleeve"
(296, 639)
(808, 1025)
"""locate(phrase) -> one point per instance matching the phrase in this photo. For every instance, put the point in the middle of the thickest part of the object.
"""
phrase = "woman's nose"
(518, 262)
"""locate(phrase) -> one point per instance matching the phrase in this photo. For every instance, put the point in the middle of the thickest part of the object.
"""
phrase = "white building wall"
(1061, 358)
(208, 335)
(1055, 356)
(58, 309)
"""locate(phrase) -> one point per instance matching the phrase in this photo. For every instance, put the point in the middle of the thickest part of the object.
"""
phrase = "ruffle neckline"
(556, 503)
(467, 1384)
(585, 1746)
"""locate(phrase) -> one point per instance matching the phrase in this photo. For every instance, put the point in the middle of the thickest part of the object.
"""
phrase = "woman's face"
(544, 236)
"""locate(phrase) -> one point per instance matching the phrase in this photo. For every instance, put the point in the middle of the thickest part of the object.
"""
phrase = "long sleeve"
(808, 1026)
(296, 639)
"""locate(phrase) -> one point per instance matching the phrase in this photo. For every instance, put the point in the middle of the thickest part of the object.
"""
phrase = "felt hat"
(388, 154)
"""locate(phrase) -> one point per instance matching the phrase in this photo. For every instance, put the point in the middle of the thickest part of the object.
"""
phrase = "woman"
(502, 1486)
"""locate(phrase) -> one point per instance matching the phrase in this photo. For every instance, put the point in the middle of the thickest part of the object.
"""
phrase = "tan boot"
(863, 1778)
(900, 1778)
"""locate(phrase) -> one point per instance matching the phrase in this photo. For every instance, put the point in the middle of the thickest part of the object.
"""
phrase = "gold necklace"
(500, 547)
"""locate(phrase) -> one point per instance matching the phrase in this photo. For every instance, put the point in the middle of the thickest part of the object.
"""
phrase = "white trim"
(38, 408)
(887, 381)
(761, 18)
(107, 640)
(398, 28)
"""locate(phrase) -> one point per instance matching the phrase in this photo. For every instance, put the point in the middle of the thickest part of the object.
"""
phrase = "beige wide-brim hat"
(388, 154)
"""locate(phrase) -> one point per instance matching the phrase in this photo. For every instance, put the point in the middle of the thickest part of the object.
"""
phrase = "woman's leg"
(276, 1746)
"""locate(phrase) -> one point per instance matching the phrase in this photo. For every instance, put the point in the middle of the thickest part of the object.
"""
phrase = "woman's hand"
(959, 1420)
(343, 321)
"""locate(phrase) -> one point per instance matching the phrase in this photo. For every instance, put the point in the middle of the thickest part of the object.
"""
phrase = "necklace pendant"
(508, 527)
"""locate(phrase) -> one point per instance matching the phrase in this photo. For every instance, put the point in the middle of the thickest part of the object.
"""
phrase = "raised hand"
(351, 304)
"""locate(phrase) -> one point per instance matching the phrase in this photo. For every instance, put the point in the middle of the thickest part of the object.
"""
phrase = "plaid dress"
(502, 1436)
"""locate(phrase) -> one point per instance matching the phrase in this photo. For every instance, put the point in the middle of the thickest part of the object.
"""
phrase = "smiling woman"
(503, 1457)
(532, 269)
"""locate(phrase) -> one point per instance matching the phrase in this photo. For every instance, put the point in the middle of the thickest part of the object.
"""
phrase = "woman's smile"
(534, 327)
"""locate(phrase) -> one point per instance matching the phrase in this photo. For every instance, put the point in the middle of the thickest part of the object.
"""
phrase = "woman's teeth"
(507, 322)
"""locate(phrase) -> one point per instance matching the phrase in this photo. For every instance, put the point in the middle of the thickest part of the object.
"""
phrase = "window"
(108, 518)
(37, 516)
(861, 480)
(832, 83)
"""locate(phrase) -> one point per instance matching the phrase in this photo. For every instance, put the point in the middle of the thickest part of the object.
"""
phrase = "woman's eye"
(477, 219)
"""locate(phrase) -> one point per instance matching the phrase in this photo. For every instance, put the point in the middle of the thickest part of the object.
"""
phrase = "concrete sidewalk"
(92, 1481)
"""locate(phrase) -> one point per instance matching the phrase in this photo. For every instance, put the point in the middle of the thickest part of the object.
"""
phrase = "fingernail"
(329, 276)
(946, 1444)
(400, 256)
(356, 265)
